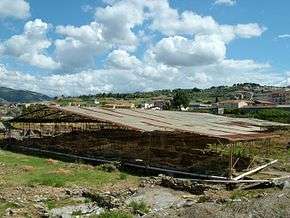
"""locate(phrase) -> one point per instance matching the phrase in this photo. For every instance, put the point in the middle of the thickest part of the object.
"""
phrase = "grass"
(31, 171)
(138, 207)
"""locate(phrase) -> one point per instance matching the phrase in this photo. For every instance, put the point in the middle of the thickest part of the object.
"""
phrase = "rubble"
(178, 184)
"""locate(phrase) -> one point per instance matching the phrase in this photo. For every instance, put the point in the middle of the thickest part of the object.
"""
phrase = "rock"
(38, 198)
(282, 184)
(80, 210)
(184, 185)
(42, 209)
(286, 185)
(188, 204)
(9, 212)
(133, 190)
(105, 200)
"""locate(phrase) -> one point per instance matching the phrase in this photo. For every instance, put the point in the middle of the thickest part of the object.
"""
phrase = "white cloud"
(112, 28)
(228, 72)
(200, 78)
(148, 76)
(225, 2)
(120, 59)
(284, 36)
(119, 19)
(19, 9)
(249, 30)
(30, 46)
(80, 46)
(168, 21)
(180, 51)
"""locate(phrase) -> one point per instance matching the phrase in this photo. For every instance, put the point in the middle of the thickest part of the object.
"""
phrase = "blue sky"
(83, 47)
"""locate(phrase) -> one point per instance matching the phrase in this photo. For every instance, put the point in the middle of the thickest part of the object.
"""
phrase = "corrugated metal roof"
(199, 123)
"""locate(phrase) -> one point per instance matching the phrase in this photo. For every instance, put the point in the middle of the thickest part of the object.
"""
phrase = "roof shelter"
(175, 137)
(231, 129)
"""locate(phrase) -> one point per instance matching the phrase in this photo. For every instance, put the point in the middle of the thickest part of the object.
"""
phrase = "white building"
(233, 104)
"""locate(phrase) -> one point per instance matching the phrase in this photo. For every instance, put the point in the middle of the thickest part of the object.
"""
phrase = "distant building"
(263, 103)
(241, 95)
(199, 106)
(96, 102)
(147, 105)
(280, 98)
(162, 104)
(233, 104)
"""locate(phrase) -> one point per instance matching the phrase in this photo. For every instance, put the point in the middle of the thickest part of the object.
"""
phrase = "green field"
(30, 170)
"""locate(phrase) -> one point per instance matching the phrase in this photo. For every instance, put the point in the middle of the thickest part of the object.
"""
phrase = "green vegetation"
(208, 95)
(180, 98)
(276, 115)
(138, 207)
(31, 171)
(114, 214)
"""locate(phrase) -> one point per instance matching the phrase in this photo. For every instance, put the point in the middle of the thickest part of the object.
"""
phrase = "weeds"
(138, 207)
(123, 176)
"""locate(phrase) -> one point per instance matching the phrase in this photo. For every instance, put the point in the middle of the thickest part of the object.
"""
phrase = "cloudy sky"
(75, 47)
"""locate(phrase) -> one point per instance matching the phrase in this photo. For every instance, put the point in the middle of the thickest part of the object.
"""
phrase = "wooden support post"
(148, 149)
(231, 162)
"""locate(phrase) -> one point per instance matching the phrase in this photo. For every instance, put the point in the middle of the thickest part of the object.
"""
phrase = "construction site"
(169, 140)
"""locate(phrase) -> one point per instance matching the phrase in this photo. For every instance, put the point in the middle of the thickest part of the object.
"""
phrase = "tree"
(180, 98)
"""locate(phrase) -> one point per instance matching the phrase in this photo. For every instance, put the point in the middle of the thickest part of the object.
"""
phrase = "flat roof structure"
(232, 129)
(174, 139)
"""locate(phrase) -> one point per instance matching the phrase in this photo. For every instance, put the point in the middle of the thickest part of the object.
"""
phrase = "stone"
(286, 185)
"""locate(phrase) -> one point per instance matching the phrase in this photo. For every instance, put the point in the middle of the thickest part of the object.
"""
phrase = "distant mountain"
(20, 96)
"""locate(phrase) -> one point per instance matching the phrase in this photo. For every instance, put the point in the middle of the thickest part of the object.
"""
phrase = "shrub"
(123, 176)
(108, 168)
(138, 207)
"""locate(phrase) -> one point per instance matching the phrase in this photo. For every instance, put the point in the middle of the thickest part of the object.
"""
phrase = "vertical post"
(231, 162)
(148, 149)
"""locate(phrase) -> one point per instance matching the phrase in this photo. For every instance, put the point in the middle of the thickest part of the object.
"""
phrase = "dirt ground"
(265, 205)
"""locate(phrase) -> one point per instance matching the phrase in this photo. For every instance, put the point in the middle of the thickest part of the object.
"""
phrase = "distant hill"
(20, 96)
(209, 95)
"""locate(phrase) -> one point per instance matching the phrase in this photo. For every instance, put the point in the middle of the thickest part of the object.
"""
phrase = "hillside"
(209, 95)
(20, 96)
